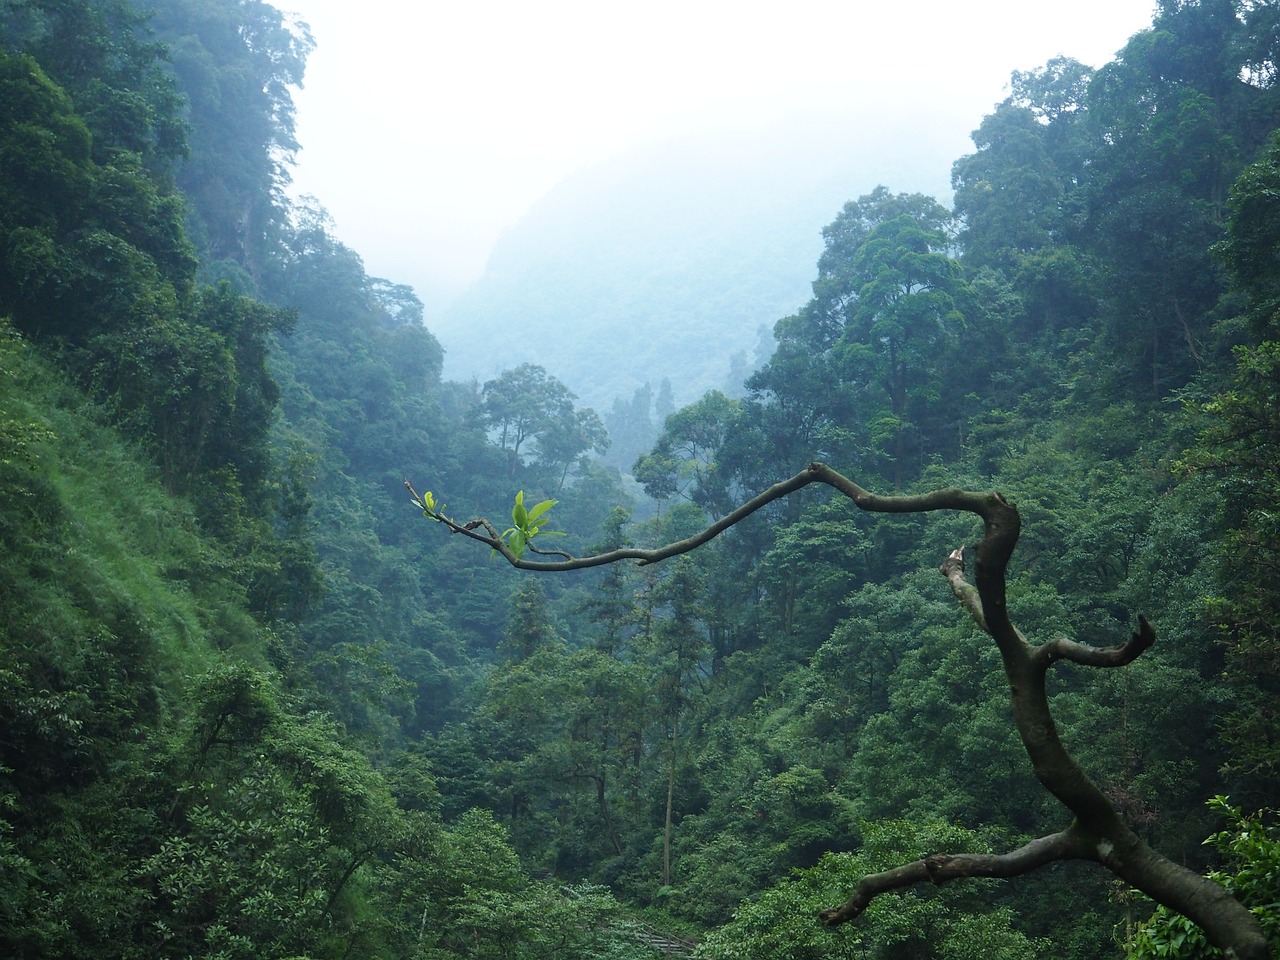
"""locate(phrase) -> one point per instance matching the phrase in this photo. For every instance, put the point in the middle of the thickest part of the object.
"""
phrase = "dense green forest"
(253, 704)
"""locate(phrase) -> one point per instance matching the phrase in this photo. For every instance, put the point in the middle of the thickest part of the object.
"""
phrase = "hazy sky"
(429, 127)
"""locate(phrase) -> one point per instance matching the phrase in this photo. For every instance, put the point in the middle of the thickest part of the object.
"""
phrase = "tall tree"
(88, 246)
(104, 54)
(857, 370)
(527, 404)
(683, 461)
(1173, 121)
(678, 648)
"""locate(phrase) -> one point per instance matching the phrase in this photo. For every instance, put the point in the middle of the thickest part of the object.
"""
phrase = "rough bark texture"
(1097, 831)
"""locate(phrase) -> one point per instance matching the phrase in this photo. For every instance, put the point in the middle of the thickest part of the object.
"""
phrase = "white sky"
(429, 127)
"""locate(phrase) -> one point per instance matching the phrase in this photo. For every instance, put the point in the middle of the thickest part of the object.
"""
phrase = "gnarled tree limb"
(484, 532)
(953, 569)
(1120, 655)
(1057, 649)
(1097, 832)
(938, 868)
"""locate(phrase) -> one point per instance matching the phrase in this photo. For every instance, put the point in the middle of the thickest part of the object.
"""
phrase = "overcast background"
(429, 128)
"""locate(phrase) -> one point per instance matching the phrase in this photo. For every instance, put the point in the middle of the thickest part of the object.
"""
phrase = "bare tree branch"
(1117, 656)
(948, 499)
(494, 541)
(941, 867)
(953, 569)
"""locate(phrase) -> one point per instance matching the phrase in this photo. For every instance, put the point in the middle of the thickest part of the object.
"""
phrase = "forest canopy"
(250, 708)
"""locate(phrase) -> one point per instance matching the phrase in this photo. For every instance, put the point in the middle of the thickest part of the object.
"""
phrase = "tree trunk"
(671, 794)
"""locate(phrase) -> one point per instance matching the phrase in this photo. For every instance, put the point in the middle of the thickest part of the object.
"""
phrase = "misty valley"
(706, 581)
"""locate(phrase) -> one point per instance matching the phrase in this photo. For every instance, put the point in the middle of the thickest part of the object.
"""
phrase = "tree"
(1173, 121)
(631, 427)
(528, 404)
(236, 62)
(565, 441)
(908, 295)
(1008, 192)
(1239, 444)
(858, 368)
(678, 647)
(529, 626)
(1097, 831)
(86, 246)
(683, 460)
(271, 818)
(562, 731)
(103, 53)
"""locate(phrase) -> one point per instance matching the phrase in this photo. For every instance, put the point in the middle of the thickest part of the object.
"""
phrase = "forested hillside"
(254, 704)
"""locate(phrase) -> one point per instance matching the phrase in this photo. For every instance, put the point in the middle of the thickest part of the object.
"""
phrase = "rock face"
(675, 259)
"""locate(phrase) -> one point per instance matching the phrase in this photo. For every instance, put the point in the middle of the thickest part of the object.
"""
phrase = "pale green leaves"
(429, 504)
(527, 524)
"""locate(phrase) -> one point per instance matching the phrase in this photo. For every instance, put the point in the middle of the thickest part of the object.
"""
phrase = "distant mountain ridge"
(667, 261)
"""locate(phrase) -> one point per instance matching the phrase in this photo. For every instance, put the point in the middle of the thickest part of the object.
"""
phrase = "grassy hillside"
(96, 548)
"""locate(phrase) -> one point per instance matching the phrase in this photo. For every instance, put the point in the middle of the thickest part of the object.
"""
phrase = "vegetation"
(247, 707)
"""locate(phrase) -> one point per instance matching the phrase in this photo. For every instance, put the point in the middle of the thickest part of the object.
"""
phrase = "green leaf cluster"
(527, 523)
(1250, 849)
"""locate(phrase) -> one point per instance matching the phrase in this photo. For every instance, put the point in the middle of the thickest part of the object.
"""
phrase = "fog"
(429, 129)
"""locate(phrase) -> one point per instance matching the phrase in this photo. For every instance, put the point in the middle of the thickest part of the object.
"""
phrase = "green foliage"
(256, 721)
(527, 523)
(390, 643)
(483, 906)
(888, 302)
(682, 461)
(1250, 248)
(112, 600)
(102, 53)
(1242, 443)
(20, 438)
(631, 426)
(526, 404)
(272, 822)
(1250, 847)
(99, 261)
(163, 790)
(90, 246)
(949, 923)
(1237, 449)
(236, 65)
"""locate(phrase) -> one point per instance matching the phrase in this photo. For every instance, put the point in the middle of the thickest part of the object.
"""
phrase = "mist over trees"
(253, 704)
(669, 257)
